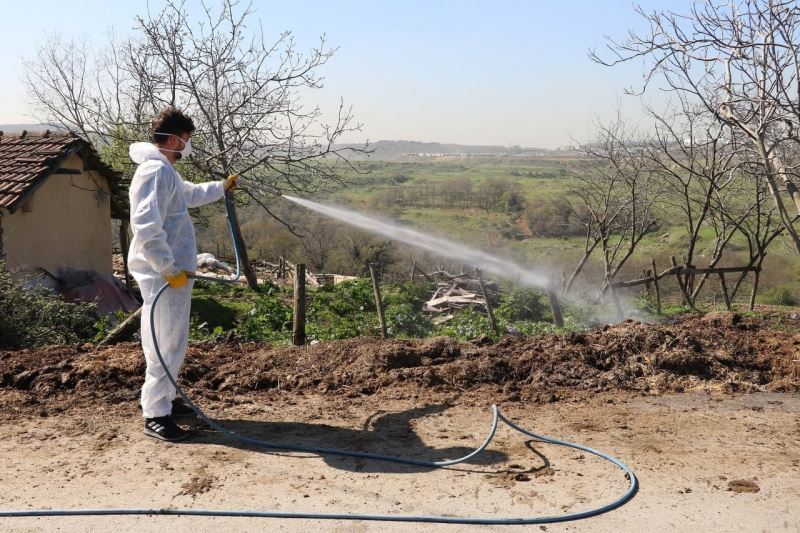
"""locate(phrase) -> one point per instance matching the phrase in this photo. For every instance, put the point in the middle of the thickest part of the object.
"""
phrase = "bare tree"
(694, 158)
(242, 90)
(615, 195)
(591, 225)
(740, 61)
(723, 220)
(319, 242)
(756, 220)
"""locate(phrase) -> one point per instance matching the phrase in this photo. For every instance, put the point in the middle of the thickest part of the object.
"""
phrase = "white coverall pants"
(172, 314)
(163, 243)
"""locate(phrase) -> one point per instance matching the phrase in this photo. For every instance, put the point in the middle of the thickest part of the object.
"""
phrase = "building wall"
(66, 222)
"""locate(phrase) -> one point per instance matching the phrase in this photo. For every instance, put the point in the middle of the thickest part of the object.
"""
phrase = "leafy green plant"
(106, 323)
(532, 329)
(779, 296)
(466, 325)
(522, 304)
(403, 304)
(404, 320)
(342, 311)
(39, 317)
(200, 331)
(270, 318)
(671, 308)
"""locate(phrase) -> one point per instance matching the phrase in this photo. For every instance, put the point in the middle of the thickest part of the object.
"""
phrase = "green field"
(538, 181)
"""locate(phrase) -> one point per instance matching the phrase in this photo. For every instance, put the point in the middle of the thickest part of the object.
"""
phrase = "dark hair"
(171, 121)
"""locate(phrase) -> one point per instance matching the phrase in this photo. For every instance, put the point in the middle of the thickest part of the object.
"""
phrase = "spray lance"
(497, 417)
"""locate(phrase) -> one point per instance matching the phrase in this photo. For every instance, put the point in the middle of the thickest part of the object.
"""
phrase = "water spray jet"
(497, 266)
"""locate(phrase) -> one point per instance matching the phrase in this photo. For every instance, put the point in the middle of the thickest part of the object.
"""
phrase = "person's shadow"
(383, 433)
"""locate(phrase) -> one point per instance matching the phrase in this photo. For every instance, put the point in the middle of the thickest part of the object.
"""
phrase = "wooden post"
(378, 301)
(555, 307)
(299, 316)
(124, 246)
(724, 287)
(413, 269)
(686, 297)
(655, 285)
(648, 277)
(489, 311)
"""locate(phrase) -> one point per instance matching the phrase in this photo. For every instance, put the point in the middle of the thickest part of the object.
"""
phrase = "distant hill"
(384, 150)
(393, 150)
(18, 128)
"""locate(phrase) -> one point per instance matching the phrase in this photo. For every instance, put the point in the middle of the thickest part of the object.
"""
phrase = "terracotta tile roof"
(26, 160)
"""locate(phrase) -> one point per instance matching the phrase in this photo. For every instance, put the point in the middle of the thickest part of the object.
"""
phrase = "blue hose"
(497, 417)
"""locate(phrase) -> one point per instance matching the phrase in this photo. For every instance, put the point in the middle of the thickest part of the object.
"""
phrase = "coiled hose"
(497, 417)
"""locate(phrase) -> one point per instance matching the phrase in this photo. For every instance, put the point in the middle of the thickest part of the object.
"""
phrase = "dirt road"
(705, 463)
(705, 410)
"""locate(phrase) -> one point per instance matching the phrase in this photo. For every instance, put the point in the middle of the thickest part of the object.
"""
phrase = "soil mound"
(716, 352)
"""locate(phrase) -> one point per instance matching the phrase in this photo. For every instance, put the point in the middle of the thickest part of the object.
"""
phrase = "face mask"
(186, 151)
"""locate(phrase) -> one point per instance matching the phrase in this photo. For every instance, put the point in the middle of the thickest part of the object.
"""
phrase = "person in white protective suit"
(163, 250)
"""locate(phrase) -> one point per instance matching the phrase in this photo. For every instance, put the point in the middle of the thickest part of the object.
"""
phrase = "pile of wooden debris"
(455, 292)
(284, 271)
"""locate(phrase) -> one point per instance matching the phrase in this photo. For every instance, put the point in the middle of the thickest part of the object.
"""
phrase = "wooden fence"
(684, 275)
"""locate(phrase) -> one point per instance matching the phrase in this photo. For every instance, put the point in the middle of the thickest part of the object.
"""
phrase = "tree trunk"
(686, 296)
(791, 188)
(587, 253)
(555, 306)
(756, 278)
(124, 330)
(769, 166)
(617, 304)
(714, 260)
(724, 288)
(742, 277)
(575, 273)
(244, 260)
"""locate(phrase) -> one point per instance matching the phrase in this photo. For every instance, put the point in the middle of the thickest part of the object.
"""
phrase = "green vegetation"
(39, 317)
(781, 295)
(515, 219)
(453, 197)
(347, 310)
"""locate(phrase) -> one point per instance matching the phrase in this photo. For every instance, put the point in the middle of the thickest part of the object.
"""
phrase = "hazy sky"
(473, 72)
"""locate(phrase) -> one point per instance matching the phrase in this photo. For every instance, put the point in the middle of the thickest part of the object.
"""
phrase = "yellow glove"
(177, 279)
(230, 182)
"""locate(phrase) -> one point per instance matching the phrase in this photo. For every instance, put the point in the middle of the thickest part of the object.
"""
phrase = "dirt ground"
(705, 410)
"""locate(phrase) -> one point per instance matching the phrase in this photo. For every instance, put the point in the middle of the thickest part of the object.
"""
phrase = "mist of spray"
(459, 252)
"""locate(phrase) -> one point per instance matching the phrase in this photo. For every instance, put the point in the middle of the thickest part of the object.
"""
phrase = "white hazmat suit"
(163, 243)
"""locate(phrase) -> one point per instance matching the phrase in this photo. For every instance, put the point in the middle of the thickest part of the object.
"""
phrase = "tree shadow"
(383, 433)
